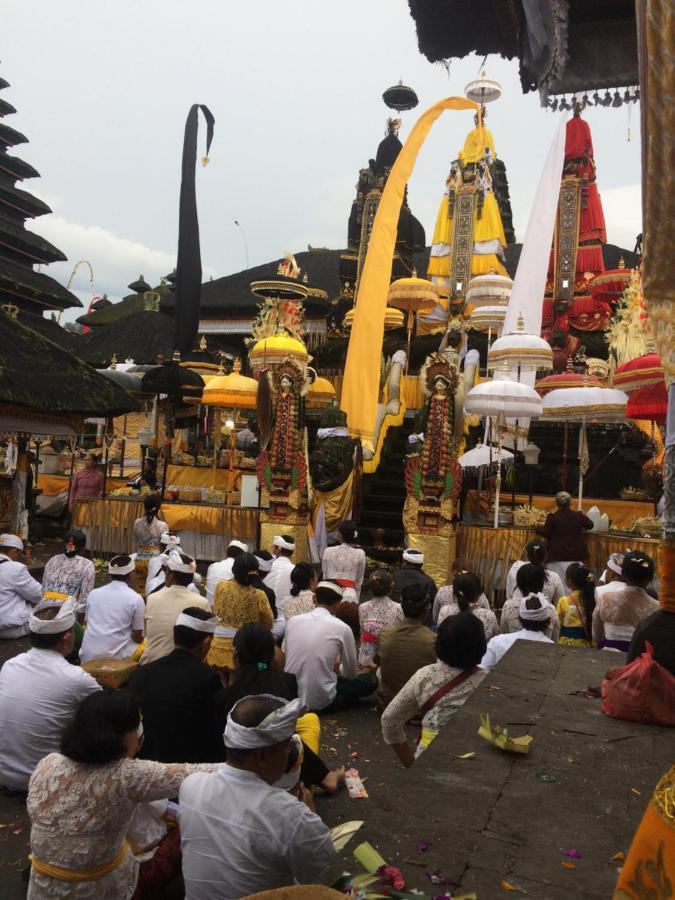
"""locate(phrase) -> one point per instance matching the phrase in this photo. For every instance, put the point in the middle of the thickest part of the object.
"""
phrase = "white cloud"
(116, 261)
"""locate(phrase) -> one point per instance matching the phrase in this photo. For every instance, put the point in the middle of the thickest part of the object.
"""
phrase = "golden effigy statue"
(469, 234)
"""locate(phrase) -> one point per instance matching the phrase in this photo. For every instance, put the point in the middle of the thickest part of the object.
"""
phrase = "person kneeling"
(240, 834)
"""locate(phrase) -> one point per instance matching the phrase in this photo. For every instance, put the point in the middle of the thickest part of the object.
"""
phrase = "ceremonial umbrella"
(393, 318)
(639, 373)
(527, 352)
(489, 290)
(275, 349)
(414, 295)
(485, 318)
(583, 404)
(610, 285)
(502, 399)
(567, 379)
(234, 391)
(650, 402)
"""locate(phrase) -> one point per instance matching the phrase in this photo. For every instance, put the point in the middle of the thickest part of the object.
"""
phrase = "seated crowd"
(223, 712)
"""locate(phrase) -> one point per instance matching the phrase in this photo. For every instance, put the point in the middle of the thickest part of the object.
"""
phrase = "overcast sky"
(103, 88)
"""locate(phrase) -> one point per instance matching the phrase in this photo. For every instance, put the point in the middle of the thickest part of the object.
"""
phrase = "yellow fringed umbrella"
(412, 295)
(393, 318)
(233, 391)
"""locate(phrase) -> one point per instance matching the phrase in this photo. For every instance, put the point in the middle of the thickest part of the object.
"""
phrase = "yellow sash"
(91, 874)
(55, 595)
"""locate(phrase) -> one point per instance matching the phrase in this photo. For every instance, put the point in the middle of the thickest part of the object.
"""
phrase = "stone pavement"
(502, 816)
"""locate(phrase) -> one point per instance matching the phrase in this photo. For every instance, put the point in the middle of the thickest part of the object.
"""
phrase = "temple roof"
(35, 247)
(113, 312)
(22, 202)
(232, 295)
(6, 109)
(16, 168)
(139, 336)
(10, 137)
(36, 374)
(22, 283)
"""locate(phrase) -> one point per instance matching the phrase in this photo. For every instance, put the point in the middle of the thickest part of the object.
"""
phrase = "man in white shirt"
(39, 693)
(279, 578)
(19, 591)
(114, 615)
(239, 833)
(321, 653)
(534, 613)
(164, 606)
(222, 571)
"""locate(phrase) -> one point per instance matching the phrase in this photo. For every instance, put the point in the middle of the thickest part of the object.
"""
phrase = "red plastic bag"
(643, 691)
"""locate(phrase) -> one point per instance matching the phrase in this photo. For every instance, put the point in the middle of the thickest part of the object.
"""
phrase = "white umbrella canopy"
(484, 456)
(527, 352)
(503, 398)
(583, 404)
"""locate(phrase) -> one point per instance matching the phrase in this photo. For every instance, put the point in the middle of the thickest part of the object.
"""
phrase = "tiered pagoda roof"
(20, 249)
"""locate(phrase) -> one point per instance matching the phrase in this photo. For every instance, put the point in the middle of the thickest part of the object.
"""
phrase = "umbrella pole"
(582, 439)
(167, 445)
(498, 482)
(410, 328)
(563, 468)
(656, 502)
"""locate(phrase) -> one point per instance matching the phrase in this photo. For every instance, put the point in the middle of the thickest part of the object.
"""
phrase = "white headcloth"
(240, 544)
(278, 726)
(115, 569)
(169, 540)
(615, 562)
(176, 564)
(62, 621)
(414, 556)
(279, 541)
(331, 586)
(11, 540)
(208, 626)
(540, 614)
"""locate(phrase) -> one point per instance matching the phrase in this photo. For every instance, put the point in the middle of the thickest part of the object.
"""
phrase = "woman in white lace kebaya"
(377, 614)
(81, 802)
(345, 563)
(467, 592)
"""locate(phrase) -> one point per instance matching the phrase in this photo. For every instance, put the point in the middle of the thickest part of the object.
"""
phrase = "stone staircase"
(384, 494)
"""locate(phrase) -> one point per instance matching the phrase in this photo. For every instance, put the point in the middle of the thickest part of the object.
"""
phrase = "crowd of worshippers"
(208, 760)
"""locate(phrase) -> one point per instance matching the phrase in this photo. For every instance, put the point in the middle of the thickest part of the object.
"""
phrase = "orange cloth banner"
(361, 386)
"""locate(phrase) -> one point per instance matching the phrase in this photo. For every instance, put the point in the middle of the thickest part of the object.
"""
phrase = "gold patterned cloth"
(336, 504)
(235, 606)
(649, 870)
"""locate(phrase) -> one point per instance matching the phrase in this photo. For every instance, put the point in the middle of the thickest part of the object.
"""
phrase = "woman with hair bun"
(575, 611)
(346, 563)
(467, 591)
(617, 614)
(377, 614)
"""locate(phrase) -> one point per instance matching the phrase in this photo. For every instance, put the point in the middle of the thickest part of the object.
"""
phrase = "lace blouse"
(345, 562)
(80, 815)
(446, 596)
(374, 616)
(486, 616)
(72, 575)
(147, 536)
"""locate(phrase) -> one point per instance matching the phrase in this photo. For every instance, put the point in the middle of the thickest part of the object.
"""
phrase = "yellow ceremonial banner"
(361, 386)
(336, 504)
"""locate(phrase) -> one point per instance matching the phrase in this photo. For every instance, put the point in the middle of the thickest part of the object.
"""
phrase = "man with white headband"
(176, 694)
(321, 653)
(114, 615)
(168, 542)
(279, 578)
(239, 833)
(165, 605)
(534, 614)
(19, 591)
(39, 693)
(411, 572)
(222, 571)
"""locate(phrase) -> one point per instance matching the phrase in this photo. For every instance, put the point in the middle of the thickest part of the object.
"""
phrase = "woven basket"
(110, 673)
(215, 496)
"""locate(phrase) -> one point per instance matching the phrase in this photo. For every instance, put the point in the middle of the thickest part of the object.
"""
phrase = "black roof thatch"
(49, 329)
(109, 313)
(139, 336)
(16, 167)
(33, 245)
(232, 295)
(22, 283)
(10, 136)
(26, 203)
(38, 375)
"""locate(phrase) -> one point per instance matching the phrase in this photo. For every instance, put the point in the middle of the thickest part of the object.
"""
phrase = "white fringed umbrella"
(484, 456)
(526, 352)
(502, 399)
(584, 404)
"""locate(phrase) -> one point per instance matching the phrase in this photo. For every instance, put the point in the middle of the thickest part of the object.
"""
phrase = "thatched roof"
(113, 312)
(27, 242)
(231, 295)
(37, 375)
(22, 283)
(139, 336)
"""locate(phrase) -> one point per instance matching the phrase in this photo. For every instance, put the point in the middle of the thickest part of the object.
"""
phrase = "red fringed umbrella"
(610, 285)
(544, 386)
(649, 403)
(639, 373)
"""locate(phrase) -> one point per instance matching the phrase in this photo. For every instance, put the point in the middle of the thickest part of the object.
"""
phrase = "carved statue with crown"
(282, 468)
(433, 479)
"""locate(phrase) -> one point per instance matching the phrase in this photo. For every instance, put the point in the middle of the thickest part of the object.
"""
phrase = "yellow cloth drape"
(51, 485)
(476, 141)
(203, 477)
(336, 504)
(361, 385)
